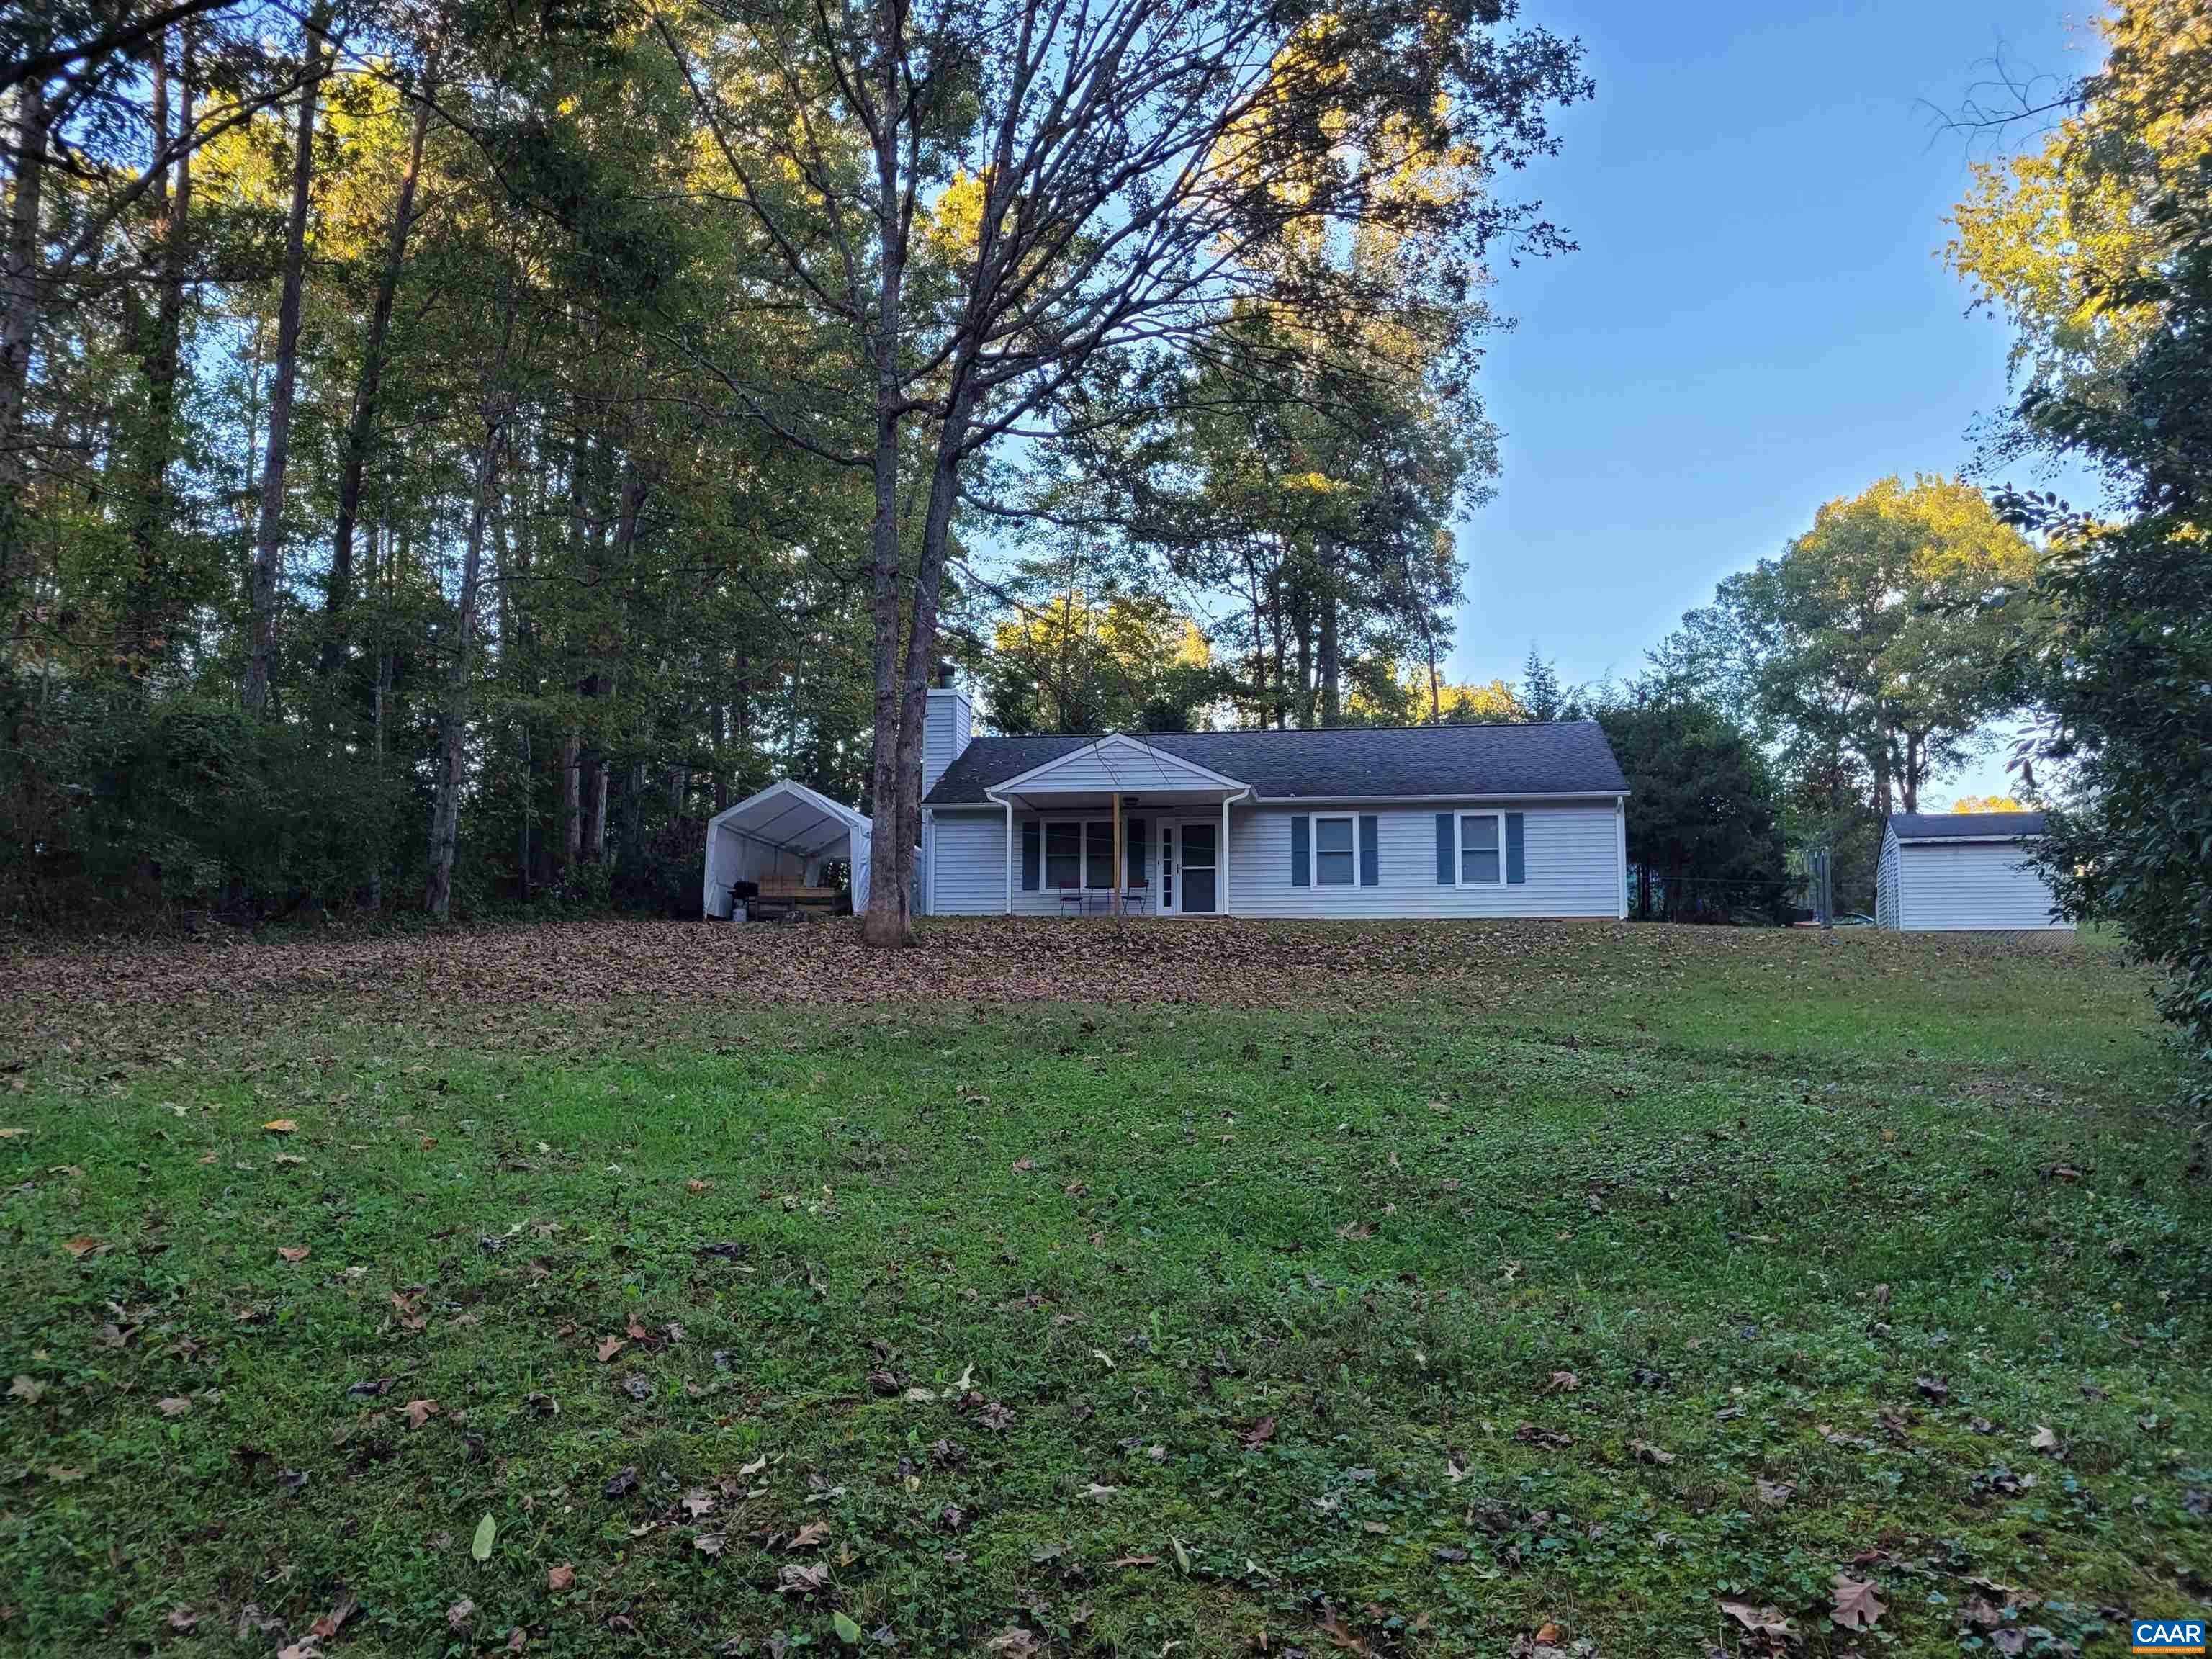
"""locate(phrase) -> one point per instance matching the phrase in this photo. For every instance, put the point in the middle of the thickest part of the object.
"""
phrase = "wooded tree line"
(447, 448)
(2095, 241)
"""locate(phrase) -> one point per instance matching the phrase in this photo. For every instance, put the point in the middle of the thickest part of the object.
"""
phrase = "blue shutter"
(1371, 869)
(1516, 864)
(1134, 844)
(1031, 856)
(1301, 851)
(1447, 853)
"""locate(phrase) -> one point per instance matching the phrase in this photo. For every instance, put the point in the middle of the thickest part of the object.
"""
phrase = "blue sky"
(1756, 321)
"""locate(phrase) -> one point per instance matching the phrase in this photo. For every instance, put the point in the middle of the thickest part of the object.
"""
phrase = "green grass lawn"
(1386, 1288)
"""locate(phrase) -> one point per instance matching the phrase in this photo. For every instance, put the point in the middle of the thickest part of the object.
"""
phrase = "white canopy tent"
(785, 833)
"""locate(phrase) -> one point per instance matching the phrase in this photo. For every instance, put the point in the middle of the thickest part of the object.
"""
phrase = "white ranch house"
(1962, 873)
(1360, 821)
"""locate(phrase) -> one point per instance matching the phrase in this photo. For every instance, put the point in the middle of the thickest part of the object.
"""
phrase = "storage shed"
(785, 833)
(1962, 873)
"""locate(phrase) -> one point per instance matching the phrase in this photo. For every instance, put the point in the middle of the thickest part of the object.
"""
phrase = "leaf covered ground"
(1091, 1289)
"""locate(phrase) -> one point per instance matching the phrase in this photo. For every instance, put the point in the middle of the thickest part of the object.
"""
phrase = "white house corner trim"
(1620, 820)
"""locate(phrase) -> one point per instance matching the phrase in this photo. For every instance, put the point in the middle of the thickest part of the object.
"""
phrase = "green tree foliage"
(1870, 657)
(1121, 662)
(1704, 819)
(548, 422)
(2126, 741)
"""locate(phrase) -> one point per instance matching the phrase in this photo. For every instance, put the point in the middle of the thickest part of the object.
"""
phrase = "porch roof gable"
(1117, 762)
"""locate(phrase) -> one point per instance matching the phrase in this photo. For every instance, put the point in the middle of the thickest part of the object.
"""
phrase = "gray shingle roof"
(1569, 757)
(1950, 826)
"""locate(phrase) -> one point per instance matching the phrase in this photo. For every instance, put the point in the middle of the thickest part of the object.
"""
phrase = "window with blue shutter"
(1301, 827)
(1516, 856)
(1447, 849)
(1336, 852)
(1030, 836)
(1370, 861)
(1135, 843)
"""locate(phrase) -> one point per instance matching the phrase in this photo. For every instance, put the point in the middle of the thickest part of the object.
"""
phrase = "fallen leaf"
(1548, 1635)
(333, 1621)
(848, 1631)
(1022, 1165)
(2045, 1440)
(1760, 1622)
(1259, 1434)
(1858, 1603)
(801, 1577)
(608, 1349)
(809, 1535)
(81, 1246)
(1339, 1637)
(1099, 1494)
(1012, 1643)
(458, 1614)
(1134, 1561)
(480, 1546)
(182, 1620)
(1647, 1453)
(1776, 1493)
(27, 1389)
(560, 1577)
(174, 1406)
(420, 1412)
(1562, 1382)
(708, 1543)
(620, 1483)
(293, 1252)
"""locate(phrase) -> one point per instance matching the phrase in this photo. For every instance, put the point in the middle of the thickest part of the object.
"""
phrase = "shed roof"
(1567, 757)
(789, 815)
(1966, 826)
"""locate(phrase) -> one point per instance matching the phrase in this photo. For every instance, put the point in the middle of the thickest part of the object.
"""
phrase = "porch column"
(1223, 858)
(1010, 856)
(1121, 862)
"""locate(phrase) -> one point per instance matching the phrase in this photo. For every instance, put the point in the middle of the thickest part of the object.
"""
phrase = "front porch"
(1118, 828)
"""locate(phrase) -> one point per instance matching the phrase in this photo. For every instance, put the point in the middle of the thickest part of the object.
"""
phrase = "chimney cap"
(947, 675)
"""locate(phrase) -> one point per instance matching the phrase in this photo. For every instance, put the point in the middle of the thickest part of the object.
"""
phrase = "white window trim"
(1083, 862)
(1313, 853)
(1459, 849)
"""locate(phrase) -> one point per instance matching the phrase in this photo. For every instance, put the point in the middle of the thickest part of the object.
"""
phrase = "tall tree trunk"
(20, 332)
(887, 922)
(1436, 682)
(379, 553)
(571, 800)
(268, 541)
(529, 793)
(446, 808)
(921, 641)
(361, 430)
(1332, 665)
(149, 609)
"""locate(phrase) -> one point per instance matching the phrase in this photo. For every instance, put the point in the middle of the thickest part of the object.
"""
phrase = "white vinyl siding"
(1572, 858)
(946, 729)
(1969, 886)
(970, 872)
(1572, 852)
(1885, 882)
